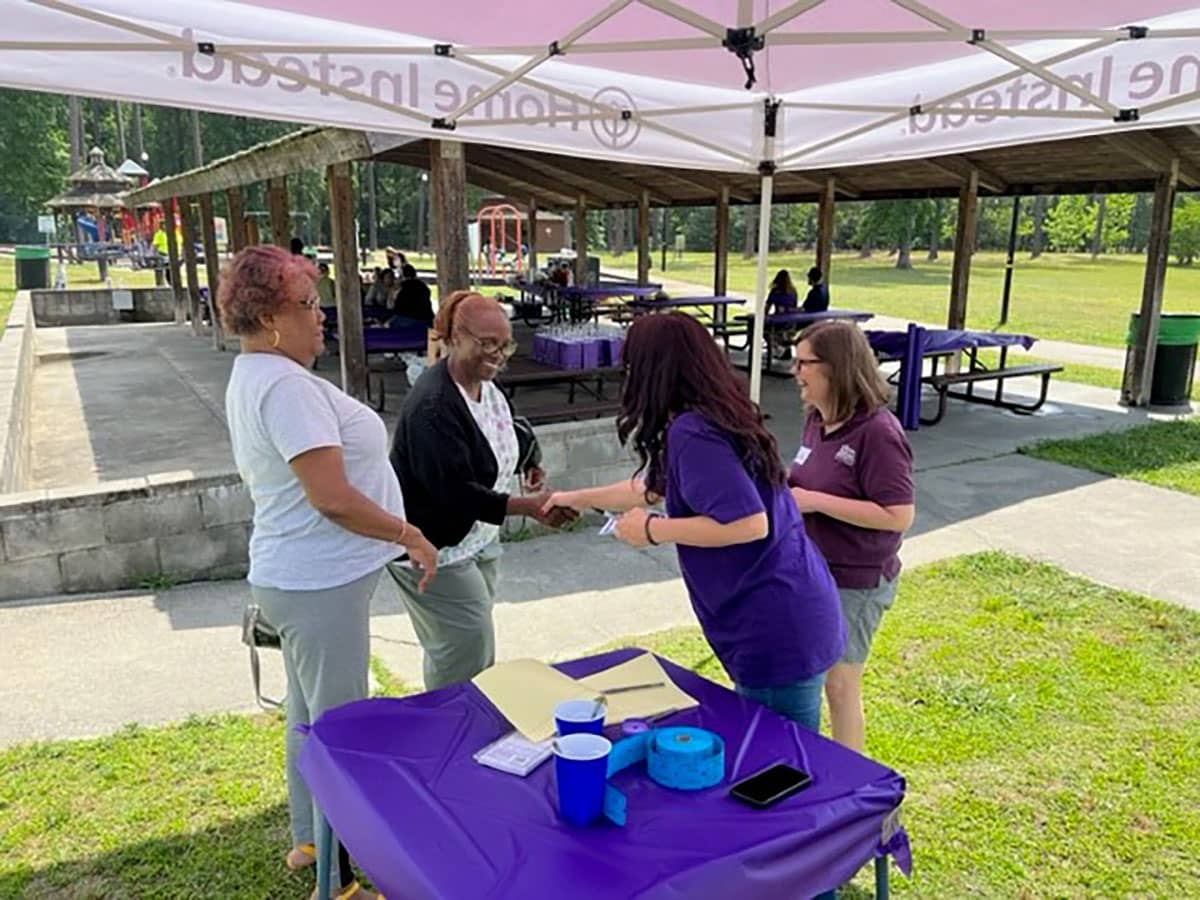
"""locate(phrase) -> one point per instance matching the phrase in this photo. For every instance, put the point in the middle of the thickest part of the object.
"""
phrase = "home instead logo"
(1122, 84)
(411, 88)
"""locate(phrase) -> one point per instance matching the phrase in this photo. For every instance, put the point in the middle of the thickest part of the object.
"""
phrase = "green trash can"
(33, 268)
(1175, 358)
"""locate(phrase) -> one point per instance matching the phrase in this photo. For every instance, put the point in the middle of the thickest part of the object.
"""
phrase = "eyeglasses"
(311, 304)
(801, 363)
(491, 347)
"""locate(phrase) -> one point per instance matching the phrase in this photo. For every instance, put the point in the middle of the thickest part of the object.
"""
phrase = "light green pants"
(453, 618)
(326, 648)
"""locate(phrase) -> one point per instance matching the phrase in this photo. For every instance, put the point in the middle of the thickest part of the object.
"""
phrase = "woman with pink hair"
(328, 512)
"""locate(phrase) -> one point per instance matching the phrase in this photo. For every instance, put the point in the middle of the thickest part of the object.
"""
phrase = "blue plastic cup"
(579, 717)
(581, 770)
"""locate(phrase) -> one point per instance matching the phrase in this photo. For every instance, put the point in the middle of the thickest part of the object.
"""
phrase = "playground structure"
(504, 223)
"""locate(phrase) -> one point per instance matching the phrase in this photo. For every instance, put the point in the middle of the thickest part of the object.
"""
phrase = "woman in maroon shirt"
(852, 478)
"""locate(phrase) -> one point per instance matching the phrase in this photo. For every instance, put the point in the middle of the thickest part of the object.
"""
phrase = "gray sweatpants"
(326, 647)
(453, 618)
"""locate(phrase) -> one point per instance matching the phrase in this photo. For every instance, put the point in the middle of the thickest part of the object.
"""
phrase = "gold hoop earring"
(274, 338)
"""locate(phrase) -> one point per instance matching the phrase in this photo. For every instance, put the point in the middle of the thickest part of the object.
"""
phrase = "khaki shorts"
(863, 608)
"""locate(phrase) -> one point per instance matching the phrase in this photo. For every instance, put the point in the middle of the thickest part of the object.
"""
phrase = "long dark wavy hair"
(672, 365)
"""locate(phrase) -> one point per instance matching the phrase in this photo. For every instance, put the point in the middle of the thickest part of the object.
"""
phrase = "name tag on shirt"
(802, 455)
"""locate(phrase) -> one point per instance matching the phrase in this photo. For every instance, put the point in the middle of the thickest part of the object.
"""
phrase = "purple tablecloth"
(397, 781)
(684, 302)
(913, 345)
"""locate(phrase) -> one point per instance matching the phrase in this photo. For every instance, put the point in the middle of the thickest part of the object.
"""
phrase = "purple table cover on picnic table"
(396, 779)
(917, 342)
(582, 353)
(683, 302)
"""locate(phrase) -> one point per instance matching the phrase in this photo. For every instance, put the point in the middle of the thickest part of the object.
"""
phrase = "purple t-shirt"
(770, 608)
(867, 458)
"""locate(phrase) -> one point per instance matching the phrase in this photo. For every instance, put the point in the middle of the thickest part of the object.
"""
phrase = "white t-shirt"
(277, 410)
(494, 418)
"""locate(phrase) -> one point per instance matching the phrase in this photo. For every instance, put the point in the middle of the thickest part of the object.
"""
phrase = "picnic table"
(913, 346)
(397, 781)
(777, 325)
(575, 303)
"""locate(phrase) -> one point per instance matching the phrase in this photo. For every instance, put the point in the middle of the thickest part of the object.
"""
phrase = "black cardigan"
(445, 465)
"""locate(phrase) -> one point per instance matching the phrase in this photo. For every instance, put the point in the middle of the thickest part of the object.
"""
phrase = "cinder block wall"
(121, 534)
(18, 356)
(94, 307)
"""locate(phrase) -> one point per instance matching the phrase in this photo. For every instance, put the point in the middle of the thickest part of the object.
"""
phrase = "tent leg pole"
(760, 293)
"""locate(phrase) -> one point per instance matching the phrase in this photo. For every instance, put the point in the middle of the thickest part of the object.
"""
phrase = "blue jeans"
(799, 701)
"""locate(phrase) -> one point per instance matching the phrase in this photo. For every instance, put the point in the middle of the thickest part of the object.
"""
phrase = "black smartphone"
(771, 785)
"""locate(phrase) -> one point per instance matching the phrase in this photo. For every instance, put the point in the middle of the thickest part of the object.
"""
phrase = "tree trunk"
(1098, 231)
(139, 145)
(197, 142)
(368, 171)
(750, 242)
(864, 252)
(935, 233)
(614, 231)
(75, 132)
(121, 132)
(1037, 241)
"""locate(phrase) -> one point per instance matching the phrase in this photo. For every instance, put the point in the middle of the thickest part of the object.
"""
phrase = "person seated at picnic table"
(781, 297)
(326, 290)
(297, 246)
(328, 510)
(817, 298)
(457, 453)
(411, 302)
(383, 289)
(853, 480)
(764, 596)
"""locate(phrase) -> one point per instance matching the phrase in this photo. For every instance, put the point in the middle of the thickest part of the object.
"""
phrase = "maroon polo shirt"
(866, 458)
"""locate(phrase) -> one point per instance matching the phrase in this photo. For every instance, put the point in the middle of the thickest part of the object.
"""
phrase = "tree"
(895, 223)
(34, 156)
(1037, 229)
(1185, 230)
(1070, 223)
(1118, 216)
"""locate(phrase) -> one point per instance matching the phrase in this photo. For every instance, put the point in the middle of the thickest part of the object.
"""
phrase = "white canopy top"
(644, 81)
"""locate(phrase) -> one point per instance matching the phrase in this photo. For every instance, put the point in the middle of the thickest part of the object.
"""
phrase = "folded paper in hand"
(526, 691)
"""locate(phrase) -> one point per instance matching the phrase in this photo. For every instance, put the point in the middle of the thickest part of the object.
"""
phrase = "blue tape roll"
(686, 759)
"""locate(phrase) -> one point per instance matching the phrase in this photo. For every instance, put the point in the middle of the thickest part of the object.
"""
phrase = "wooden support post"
(253, 238)
(238, 239)
(187, 231)
(212, 266)
(964, 246)
(643, 238)
(1139, 372)
(448, 187)
(581, 245)
(532, 225)
(277, 204)
(721, 261)
(345, 269)
(173, 262)
(825, 210)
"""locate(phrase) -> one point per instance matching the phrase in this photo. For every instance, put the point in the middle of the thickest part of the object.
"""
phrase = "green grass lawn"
(1163, 453)
(1048, 728)
(1059, 296)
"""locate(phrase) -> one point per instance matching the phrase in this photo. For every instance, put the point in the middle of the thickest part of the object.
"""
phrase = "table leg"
(324, 839)
(881, 878)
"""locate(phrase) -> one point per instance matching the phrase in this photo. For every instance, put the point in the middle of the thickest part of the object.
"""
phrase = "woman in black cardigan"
(457, 455)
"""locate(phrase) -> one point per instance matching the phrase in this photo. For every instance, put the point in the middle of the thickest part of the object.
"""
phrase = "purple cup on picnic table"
(593, 354)
(572, 355)
(581, 773)
(612, 351)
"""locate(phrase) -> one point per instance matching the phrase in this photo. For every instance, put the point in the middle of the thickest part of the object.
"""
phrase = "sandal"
(301, 857)
(352, 891)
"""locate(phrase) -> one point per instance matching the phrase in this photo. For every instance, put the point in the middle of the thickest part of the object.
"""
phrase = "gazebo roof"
(96, 186)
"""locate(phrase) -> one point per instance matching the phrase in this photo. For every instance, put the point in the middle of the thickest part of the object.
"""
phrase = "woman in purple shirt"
(853, 481)
(763, 594)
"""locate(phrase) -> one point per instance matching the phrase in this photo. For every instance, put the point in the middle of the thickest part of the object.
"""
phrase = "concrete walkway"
(81, 666)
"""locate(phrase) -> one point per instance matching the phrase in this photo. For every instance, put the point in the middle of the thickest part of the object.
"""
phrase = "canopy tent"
(721, 85)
